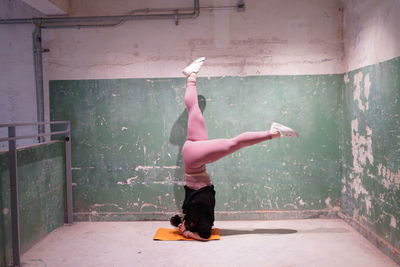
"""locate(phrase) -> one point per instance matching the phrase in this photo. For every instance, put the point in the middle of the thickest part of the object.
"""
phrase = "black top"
(198, 208)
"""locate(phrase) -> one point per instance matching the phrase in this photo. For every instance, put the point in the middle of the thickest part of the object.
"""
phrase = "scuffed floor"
(314, 242)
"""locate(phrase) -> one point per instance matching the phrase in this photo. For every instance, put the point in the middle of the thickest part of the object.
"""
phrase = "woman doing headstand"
(197, 151)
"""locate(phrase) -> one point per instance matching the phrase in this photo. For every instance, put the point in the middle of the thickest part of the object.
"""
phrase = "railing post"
(14, 202)
(68, 174)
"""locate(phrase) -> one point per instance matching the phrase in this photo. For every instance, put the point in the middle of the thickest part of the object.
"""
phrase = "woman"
(198, 150)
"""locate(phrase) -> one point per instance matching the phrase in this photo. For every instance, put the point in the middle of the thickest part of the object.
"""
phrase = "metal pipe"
(33, 123)
(218, 7)
(37, 61)
(49, 22)
(32, 136)
(14, 202)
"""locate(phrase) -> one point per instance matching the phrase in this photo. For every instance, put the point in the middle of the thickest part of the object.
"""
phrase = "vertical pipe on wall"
(37, 59)
(12, 145)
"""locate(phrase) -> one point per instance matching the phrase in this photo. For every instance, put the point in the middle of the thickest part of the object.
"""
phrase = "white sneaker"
(283, 130)
(194, 67)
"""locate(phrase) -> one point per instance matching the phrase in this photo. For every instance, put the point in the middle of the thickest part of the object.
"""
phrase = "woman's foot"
(194, 67)
(283, 130)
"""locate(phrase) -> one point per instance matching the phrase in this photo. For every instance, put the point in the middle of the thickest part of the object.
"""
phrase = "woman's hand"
(188, 234)
(182, 227)
(183, 230)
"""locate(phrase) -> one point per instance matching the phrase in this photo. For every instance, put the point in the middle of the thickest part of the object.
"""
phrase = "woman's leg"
(198, 150)
(198, 153)
(196, 128)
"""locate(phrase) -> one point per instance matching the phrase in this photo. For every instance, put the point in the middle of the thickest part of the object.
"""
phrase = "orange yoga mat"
(165, 234)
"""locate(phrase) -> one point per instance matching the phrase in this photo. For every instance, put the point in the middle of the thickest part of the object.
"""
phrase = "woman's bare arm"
(193, 235)
(189, 234)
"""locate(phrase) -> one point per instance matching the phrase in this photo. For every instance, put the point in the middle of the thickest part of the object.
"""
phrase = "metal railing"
(13, 166)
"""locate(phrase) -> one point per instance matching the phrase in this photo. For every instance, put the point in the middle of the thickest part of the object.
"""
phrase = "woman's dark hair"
(175, 220)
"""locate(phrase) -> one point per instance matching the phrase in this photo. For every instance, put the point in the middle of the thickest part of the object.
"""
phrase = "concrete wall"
(371, 145)
(371, 32)
(17, 78)
(293, 37)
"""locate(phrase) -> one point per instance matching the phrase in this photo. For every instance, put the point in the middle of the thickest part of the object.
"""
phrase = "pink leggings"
(198, 150)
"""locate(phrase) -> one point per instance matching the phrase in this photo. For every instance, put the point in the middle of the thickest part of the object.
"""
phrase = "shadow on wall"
(178, 138)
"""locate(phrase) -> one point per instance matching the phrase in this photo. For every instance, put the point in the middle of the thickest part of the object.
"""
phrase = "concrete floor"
(315, 242)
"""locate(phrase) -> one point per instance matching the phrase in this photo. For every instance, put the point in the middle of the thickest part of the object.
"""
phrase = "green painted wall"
(41, 173)
(127, 135)
(371, 149)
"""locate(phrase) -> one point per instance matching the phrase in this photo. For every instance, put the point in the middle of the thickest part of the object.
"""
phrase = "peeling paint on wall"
(371, 153)
(128, 181)
(146, 168)
(361, 91)
(361, 147)
(390, 178)
(393, 221)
